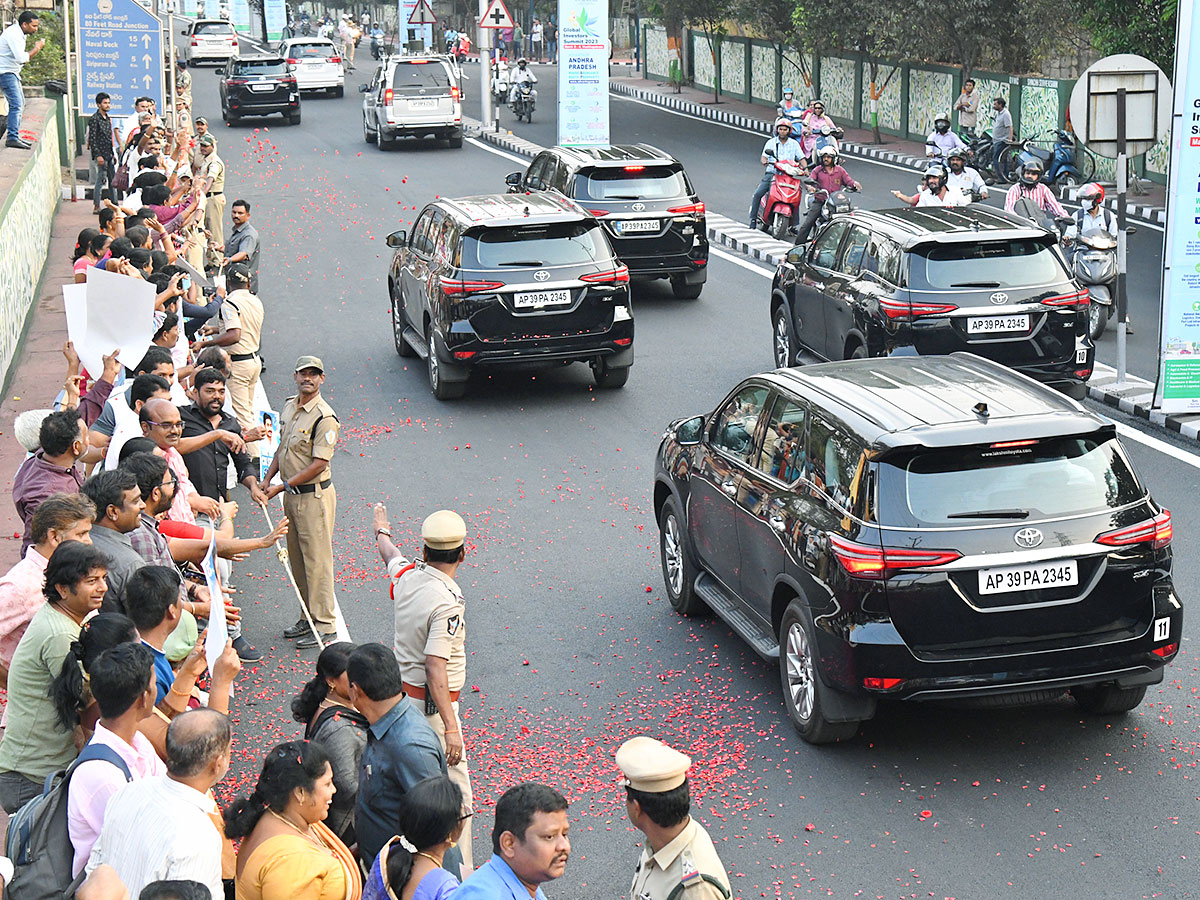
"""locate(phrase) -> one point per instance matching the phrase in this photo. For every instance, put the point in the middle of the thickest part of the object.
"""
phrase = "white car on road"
(209, 40)
(316, 62)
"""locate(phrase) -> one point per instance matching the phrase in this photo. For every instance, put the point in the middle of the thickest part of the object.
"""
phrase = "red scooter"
(782, 202)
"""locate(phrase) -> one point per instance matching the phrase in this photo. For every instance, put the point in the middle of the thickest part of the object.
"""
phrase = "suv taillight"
(235, 82)
(1077, 298)
(335, 59)
(898, 309)
(694, 209)
(455, 93)
(1156, 532)
(292, 62)
(866, 561)
(288, 79)
(195, 42)
(620, 273)
(387, 96)
(456, 287)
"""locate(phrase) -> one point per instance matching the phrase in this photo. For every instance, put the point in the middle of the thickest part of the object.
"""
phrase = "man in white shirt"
(13, 57)
(165, 827)
(964, 177)
(934, 192)
(123, 683)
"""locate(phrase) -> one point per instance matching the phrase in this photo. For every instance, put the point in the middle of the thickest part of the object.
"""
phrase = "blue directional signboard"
(121, 52)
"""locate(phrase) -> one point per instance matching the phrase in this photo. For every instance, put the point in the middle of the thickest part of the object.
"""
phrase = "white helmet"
(784, 123)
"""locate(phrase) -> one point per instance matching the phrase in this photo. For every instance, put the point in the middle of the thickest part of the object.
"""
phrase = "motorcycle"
(523, 101)
(779, 206)
(1059, 164)
(794, 114)
(831, 203)
(1094, 263)
(500, 83)
(979, 154)
(826, 137)
(305, 25)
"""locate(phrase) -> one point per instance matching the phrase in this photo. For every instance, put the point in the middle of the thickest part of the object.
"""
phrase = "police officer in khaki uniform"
(307, 438)
(678, 860)
(431, 635)
(213, 168)
(241, 334)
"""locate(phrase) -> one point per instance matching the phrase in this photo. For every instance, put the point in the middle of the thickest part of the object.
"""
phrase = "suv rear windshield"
(311, 51)
(632, 183)
(213, 28)
(420, 75)
(981, 485)
(260, 67)
(554, 244)
(992, 264)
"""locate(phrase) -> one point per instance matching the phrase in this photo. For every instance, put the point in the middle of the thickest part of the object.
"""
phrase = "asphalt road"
(572, 645)
(722, 161)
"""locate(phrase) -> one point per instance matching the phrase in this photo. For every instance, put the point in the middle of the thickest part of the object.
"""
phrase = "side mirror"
(183, 31)
(689, 431)
(397, 239)
(797, 254)
(364, 89)
(513, 179)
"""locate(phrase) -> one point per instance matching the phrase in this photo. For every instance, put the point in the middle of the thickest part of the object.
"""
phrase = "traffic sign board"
(1147, 99)
(496, 16)
(422, 14)
(120, 52)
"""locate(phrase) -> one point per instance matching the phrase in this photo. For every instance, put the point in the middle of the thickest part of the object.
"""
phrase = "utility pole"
(1122, 237)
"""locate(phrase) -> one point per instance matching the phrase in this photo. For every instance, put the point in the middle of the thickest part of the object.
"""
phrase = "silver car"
(209, 40)
(413, 96)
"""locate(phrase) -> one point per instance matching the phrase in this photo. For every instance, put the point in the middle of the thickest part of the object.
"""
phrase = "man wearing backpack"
(123, 683)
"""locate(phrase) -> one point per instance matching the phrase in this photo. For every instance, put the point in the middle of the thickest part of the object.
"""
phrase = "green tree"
(51, 63)
(672, 16)
(773, 21)
(879, 31)
(1144, 27)
(710, 16)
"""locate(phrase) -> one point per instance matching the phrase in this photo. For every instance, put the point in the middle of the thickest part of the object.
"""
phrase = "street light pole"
(1122, 240)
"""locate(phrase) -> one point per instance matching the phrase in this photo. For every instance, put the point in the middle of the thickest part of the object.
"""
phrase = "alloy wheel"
(800, 674)
(672, 550)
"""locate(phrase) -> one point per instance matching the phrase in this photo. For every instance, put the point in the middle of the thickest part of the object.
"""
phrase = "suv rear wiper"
(523, 262)
(991, 514)
(622, 197)
(977, 284)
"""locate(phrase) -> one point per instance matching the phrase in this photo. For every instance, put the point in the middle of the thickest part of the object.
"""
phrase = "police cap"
(651, 766)
(310, 362)
(444, 530)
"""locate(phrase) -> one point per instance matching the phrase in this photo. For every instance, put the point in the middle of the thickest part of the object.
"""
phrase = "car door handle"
(729, 487)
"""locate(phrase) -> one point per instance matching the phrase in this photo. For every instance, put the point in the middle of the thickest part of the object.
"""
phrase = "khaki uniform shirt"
(430, 621)
(243, 310)
(214, 168)
(686, 860)
(308, 432)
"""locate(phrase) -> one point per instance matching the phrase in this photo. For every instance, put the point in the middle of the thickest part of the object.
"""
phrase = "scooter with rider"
(825, 195)
(781, 159)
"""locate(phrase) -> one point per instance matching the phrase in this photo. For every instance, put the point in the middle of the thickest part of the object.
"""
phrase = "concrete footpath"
(1135, 397)
(39, 368)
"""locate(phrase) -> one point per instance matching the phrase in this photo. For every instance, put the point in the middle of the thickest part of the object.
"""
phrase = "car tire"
(403, 348)
(800, 679)
(455, 141)
(383, 141)
(441, 389)
(783, 338)
(607, 376)
(368, 135)
(1108, 699)
(294, 119)
(684, 291)
(678, 568)
(339, 91)
(858, 351)
(230, 118)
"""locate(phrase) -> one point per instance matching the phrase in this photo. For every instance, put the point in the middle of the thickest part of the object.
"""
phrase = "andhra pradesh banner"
(583, 73)
(1179, 353)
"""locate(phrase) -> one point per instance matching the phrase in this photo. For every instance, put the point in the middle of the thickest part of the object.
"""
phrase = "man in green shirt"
(34, 743)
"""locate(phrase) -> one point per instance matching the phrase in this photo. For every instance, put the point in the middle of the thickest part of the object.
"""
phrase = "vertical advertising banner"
(1179, 354)
(583, 73)
(240, 12)
(276, 13)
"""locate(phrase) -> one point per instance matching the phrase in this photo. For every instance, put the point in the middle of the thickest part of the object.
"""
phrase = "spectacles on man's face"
(169, 426)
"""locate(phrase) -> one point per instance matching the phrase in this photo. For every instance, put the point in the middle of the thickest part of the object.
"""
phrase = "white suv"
(316, 63)
(413, 96)
(209, 40)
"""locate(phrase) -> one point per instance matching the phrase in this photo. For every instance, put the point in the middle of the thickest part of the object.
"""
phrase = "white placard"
(120, 314)
(218, 632)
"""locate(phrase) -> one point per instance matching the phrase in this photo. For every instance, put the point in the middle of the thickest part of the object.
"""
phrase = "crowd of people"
(117, 725)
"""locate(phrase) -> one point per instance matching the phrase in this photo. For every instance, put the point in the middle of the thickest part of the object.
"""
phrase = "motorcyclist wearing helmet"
(813, 123)
(789, 106)
(830, 177)
(781, 147)
(1030, 187)
(964, 177)
(522, 75)
(1092, 217)
(942, 140)
(934, 191)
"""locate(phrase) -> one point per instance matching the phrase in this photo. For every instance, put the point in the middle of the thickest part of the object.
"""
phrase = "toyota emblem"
(1028, 538)
(638, 207)
(999, 298)
(541, 275)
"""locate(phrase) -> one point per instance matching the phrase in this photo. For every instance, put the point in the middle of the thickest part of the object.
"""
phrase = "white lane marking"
(1189, 459)
(490, 149)
(741, 261)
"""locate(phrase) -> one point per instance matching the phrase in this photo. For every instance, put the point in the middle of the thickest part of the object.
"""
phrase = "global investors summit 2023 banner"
(583, 73)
